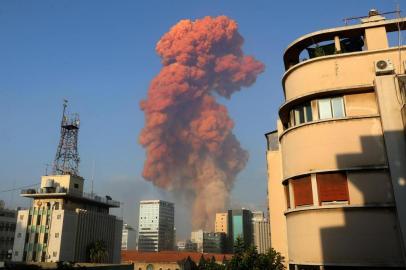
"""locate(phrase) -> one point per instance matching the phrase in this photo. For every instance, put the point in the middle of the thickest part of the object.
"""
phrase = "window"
(332, 187)
(54, 253)
(58, 216)
(76, 185)
(302, 191)
(287, 195)
(56, 235)
(18, 235)
(21, 217)
(301, 114)
(15, 253)
(331, 108)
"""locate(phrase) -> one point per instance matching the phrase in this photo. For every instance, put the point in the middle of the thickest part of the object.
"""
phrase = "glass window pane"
(325, 109)
(308, 112)
(299, 116)
(338, 107)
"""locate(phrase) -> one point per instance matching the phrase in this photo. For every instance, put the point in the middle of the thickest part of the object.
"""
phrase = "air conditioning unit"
(383, 67)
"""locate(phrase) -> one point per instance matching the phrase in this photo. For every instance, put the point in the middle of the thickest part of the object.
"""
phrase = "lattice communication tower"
(67, 156)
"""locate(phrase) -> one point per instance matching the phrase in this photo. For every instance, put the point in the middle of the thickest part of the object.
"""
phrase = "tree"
(202, 263)
(97, 252)
(247, 258)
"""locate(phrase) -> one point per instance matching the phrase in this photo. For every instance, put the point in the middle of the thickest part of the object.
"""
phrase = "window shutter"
(302, 189)
(332, 187)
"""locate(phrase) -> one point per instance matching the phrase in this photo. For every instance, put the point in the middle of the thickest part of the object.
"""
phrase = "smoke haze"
(190, 147)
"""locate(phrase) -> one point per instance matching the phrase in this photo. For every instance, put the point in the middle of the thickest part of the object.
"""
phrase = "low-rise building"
(64, 222)
(166, 260)
(7, 230)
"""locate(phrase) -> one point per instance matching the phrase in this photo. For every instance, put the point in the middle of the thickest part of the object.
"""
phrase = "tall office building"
(156, 225)
(260, 231)
(239, 225)
(8, 221)
(337, 162)
(129, 238)
(221, 223)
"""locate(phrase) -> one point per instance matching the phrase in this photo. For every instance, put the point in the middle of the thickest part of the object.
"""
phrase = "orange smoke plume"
(188, 136)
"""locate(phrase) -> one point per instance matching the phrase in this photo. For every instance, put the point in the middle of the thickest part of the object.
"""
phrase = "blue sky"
(100, 55)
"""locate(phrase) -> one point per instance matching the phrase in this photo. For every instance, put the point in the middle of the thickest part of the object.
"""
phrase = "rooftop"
(168, 256)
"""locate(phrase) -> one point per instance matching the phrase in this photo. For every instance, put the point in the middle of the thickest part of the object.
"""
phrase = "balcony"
(61, 192)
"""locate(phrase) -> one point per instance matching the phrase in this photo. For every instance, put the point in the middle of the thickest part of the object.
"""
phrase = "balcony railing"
(62, 190)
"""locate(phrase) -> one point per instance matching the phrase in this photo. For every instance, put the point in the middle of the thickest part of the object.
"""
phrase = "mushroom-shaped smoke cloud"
(188, 137)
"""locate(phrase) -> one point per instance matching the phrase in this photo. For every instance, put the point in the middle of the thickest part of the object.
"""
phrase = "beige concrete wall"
(19, 237)
(361, 104)
(370, 187)
(390, 106)
(337, 72)
(66, 181)
(332, 144)
(344, 236)
(277, 203)
(376, 38)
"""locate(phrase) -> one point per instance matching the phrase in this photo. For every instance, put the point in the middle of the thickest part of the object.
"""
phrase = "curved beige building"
(337, 162)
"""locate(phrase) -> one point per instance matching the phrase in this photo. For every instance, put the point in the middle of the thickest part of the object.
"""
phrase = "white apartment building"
(7, 230)
(63, 222)
(129, 238)
(156, 225)
(261, 231)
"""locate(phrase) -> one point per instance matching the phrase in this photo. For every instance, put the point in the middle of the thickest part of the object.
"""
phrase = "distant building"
(239, 225)
(221, 224)
(156, 225)
(214, 242)
(7, 230)
(196, 237)
(129, 238)
(63, 221)
(261, 231)
(167, 260)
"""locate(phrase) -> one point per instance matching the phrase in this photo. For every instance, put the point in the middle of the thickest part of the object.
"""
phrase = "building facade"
(337, 162)
(63, 222)
(221, 223)
(129, 238)
(8, 219)
(156, 225)
(260, 232)
(239, 225)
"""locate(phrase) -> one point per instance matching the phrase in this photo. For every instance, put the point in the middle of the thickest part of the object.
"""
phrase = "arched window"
(150, 267)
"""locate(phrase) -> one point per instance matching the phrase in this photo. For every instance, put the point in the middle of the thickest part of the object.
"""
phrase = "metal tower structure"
(67, 156)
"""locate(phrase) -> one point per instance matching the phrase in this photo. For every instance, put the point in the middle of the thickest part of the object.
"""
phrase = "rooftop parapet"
(345, 39)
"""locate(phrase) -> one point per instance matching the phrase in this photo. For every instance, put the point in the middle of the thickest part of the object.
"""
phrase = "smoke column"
(190, 147)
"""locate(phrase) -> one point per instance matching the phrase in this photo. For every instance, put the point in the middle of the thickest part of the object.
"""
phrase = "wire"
(13, 189)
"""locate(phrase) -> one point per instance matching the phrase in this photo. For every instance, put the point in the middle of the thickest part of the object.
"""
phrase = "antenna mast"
(67, 156)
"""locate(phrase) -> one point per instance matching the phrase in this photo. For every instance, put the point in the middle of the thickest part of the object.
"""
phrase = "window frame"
(332, 112)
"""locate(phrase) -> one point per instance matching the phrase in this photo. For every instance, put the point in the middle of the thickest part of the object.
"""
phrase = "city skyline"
(105, 78)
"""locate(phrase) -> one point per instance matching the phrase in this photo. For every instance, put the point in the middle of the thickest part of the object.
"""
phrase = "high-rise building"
(260, 231)
(239, 225)
(337, 162)
(7, 230)
(156, 225)
(221, 223)
(63, 222)
(129, 238)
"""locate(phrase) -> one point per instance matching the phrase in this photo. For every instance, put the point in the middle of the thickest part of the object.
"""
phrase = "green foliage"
(247, 258)
(97, 252)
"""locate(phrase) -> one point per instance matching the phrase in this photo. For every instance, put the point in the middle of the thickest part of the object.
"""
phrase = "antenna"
(93, 175)
(67, 156)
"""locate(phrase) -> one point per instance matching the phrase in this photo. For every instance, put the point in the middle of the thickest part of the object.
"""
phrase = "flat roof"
(292, 52)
